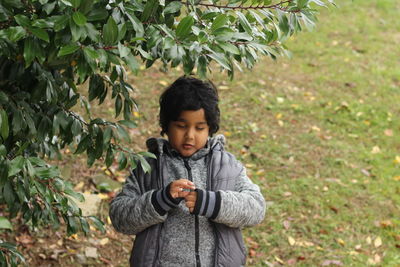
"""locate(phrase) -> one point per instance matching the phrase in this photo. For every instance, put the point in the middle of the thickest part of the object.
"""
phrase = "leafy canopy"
(49, 47)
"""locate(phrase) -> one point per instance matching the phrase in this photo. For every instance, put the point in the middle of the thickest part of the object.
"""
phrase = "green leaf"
(16, 165)
(4, 223)
(60, 22)
(9, 193)
(149, 9)
(4, 127)
(173, 7)
(90, 53)
(49, 7)
(79, 18)
(92, 32)
(87, 6)
(47, 172)
(224, 34)
(98, 224)
(227, 47)
(219, 22)
(3, 151)
(3, 97)
(109, 156)
(122, 161)
(202, 67)
(83, 144)
(220, 58)
(42, 23)
(123, 50)
(245, 23)
(68, 49)
(40, 33)
(110, 32)
(121, 31)
(84, 225)
(128, 123)
(118, 105)
(184, 27)
(97, 14)
(148, 154)
(29, 51)
(136, 23)
(145, 165)
(75, 3)
(16, 33)
(22, 20)
(131, 61)
(123, 133)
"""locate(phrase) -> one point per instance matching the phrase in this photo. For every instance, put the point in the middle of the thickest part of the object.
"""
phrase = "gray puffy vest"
(223, 169)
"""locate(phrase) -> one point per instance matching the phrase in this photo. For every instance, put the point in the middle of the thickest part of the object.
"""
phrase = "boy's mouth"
(187, 146)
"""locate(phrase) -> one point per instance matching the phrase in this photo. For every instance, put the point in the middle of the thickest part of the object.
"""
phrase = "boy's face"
(189, 132)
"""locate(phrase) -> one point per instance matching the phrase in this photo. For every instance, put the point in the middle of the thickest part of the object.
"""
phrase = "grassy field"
(320, 133)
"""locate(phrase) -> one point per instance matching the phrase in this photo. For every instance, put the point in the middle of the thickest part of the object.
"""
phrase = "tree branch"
(240, 7)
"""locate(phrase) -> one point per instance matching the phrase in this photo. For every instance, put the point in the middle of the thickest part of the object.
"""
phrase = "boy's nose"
(189, 134)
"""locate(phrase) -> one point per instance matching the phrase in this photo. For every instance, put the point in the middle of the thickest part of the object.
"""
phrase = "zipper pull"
(187, 166)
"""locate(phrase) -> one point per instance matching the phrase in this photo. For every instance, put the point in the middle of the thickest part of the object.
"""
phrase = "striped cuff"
(163, 201)
(208, 203)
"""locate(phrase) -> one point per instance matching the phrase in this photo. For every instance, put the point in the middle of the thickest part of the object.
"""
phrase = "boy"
(189, 209)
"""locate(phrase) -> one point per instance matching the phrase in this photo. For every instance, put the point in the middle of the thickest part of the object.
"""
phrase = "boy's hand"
(190, 200)
(177, 187)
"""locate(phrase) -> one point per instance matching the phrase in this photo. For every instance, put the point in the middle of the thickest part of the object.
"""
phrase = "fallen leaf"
(332, 262)
(378, 242)
(291, 262)
(340, 241)
(291, 241)
(79, 186)
(24, 239)
(104, 241)
(377, 258)
(388, 132)
(163, 83)
(223, 87)
(396, 178)
(286, 224)
(386, 223)
(252, 252)
(365, 172)
(369, 240)
(279, 260)
(280, 99)
(227, 134)
(287, 194)
(91, 252)
(315, 128)
(375, 150)
(397, 160)
(358, 247)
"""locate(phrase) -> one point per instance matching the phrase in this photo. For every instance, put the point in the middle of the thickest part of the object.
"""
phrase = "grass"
(319, 133)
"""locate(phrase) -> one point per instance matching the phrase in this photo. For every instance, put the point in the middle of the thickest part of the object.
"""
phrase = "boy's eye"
(200, 129)
(180, 125)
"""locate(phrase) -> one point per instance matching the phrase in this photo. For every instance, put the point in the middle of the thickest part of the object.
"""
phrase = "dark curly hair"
(189, 93)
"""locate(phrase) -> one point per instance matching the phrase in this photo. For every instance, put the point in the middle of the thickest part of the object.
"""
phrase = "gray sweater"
(180, 234)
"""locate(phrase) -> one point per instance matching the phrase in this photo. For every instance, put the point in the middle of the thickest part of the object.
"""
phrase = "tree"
(49, 47)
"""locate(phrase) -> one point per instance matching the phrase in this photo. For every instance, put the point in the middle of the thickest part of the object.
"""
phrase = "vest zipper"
(210, 186)
(196, 219)
(160, 184)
